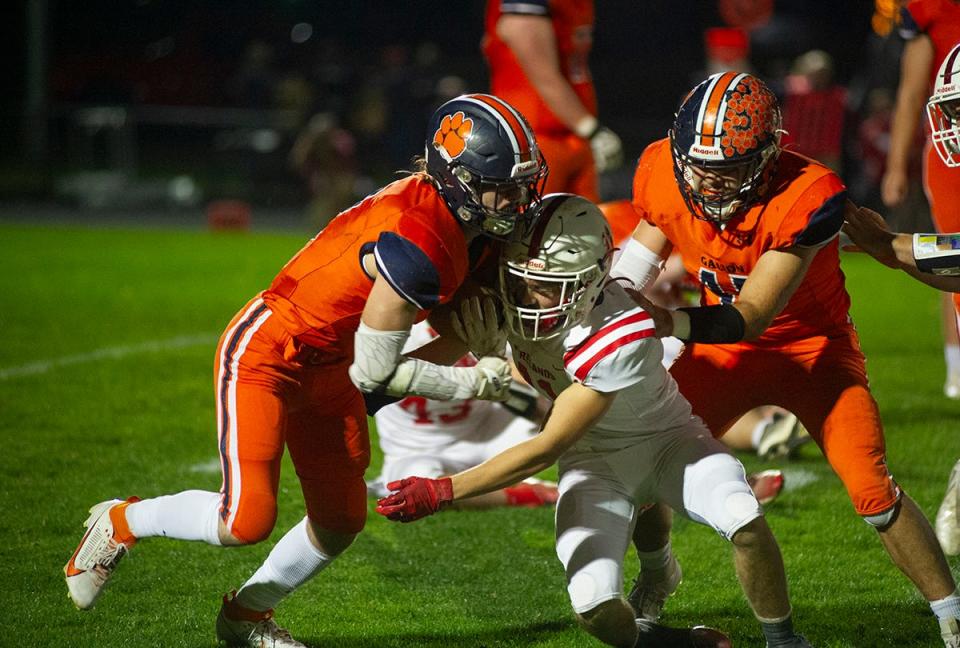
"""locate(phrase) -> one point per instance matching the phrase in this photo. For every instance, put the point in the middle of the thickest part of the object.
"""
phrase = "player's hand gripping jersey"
(805, 208)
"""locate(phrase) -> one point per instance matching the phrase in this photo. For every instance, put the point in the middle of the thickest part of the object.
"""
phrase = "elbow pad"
(376, 356)
(638, 264)
(379, 368)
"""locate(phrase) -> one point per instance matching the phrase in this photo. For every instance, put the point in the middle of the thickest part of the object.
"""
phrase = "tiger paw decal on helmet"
(451, 138)
(746, 117)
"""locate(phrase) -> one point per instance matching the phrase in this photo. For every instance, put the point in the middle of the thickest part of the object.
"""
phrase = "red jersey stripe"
(573, 354)
(582, 372)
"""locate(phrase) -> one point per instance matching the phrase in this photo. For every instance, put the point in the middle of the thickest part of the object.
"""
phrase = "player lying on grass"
(623, 435)
(430, 438)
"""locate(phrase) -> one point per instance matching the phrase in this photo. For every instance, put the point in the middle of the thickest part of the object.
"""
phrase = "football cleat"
(766, 485)
(107, 540)
(948, 515)
(781, 437)
(238, 627)
(950, 632)
(652, 589)
(654, 635)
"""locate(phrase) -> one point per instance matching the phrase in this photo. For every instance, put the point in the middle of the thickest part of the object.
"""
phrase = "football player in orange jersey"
(538, 51)
(293, 366)
(932, 28)
(758, 226)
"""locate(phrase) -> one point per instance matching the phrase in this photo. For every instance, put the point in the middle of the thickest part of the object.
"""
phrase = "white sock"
(758, 429)
(654, 560)
(190, 515)
(951, 354)
(291, 563)
(947, 608)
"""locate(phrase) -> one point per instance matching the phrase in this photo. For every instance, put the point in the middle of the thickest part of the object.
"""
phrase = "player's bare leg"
(912, 545)
(611, 622)
(759, 567)
(740, 434)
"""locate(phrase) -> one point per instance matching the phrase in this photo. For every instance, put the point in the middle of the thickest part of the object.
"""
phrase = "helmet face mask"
(485, 161)
(496, 206)
(725, 142)
(943, 110)
(552, 277)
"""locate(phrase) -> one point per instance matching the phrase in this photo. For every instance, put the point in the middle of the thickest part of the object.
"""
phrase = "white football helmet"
(943, 110)
(566, 255)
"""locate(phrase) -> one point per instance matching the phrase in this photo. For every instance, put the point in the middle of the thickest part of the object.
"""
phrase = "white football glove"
(478, 325)
(493, 379)
(607, 149)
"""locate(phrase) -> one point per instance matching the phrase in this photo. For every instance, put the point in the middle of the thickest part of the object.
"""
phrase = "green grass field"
(106, 347)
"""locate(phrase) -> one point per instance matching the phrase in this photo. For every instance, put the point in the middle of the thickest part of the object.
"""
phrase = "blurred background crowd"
(302, 107)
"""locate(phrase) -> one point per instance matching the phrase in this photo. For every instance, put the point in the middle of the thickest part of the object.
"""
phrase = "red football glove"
(415, 498)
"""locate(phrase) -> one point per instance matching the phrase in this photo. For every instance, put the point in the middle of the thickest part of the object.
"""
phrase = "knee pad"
(716, 493)
(255, 519)
(338, 506)
(882, 521)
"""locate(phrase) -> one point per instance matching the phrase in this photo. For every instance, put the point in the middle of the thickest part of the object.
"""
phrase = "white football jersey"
(614, 349)
(416, 423)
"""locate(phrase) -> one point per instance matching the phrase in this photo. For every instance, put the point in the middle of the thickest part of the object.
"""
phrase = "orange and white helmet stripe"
(709, 126)
(513, 124)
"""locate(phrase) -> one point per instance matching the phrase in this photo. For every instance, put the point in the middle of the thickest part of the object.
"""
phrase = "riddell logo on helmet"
(706, 151)
(535, 264)
(451, 138)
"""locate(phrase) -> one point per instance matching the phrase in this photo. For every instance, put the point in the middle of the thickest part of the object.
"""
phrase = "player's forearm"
(508, 468)
(903, 129)
(563, 102)
(915, 65)
(902, 245)
(940, 282)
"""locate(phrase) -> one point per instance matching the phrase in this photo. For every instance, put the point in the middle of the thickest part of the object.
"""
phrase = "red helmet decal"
(453, 133)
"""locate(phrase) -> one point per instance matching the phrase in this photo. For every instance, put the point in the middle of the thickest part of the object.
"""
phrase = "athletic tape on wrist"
(937, 253)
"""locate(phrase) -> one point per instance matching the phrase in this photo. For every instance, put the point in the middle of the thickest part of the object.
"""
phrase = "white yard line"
(797, 478)
(152, 346)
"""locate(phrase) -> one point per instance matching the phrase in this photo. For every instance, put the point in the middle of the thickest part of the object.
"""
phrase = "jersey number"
(418, 406)
(724, 285)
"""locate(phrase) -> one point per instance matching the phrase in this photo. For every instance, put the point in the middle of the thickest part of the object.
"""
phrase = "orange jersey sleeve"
(573, 26)
(406, 228)
(805, 208)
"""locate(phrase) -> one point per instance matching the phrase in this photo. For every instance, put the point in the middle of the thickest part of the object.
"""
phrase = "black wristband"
(721, 324)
